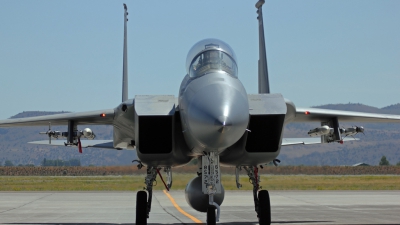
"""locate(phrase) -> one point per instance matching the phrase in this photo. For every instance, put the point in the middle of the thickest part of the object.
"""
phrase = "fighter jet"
(213, 120)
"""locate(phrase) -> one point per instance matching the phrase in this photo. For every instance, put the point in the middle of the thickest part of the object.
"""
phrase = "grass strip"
(135, 183)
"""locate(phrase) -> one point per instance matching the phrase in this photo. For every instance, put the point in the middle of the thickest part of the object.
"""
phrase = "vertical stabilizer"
(263, 80)
(125, 59)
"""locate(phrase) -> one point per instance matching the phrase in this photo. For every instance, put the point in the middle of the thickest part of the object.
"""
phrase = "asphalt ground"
(288, 207)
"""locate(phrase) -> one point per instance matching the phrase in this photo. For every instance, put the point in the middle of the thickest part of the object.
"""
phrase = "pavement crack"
(168, 212)
(26, 203)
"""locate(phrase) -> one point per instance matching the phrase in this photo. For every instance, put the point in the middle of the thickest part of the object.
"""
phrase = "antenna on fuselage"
(263, 80)
(125, 59)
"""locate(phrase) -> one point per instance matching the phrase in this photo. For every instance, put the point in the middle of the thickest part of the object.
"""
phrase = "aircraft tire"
(211, 220)
(264, 208)
(141, 208)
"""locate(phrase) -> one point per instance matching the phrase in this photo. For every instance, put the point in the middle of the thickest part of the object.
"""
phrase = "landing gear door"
(211, 175)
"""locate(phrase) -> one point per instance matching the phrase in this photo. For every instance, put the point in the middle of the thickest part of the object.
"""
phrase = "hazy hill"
(358, 107)
(379, 139)
(14, 146)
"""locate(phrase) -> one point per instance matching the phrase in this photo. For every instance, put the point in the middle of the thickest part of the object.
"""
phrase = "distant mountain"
(392, 109)
(14, 146)
(358, 107)
(380, 139)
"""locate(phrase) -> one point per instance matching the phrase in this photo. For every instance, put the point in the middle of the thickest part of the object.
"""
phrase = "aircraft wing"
(321, 115)
(99, 117)
(309, 141)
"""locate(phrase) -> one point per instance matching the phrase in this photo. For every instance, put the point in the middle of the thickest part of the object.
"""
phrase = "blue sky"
(67, 55)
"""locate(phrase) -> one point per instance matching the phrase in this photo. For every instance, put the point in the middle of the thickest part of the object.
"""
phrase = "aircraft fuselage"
(214, 112)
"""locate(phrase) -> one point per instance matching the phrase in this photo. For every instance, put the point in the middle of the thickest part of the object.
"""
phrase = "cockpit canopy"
(211, 55)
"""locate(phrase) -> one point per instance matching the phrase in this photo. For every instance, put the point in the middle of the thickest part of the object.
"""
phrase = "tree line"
(77, 162)
(385, 162)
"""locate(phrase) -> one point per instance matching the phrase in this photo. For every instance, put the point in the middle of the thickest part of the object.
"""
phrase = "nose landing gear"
(211, 184)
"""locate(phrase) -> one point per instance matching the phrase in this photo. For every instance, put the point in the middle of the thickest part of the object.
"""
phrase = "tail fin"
(263, 81)
(125, 60)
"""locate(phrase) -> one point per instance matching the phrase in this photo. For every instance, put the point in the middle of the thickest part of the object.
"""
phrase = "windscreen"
(212, 61)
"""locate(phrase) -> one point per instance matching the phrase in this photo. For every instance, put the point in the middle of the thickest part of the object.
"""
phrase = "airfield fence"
(133, 170)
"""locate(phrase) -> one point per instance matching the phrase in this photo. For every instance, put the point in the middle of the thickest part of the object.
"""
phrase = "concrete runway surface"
(288, 207)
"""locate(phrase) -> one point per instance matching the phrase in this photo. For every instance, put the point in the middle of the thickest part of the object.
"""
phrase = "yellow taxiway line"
(181, 210)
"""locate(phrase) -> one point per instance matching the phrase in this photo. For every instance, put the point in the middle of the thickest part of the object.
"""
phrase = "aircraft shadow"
(233, 223)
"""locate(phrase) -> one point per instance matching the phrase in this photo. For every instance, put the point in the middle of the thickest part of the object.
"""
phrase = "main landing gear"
(141, 207)
(143, 202)
(262, 204)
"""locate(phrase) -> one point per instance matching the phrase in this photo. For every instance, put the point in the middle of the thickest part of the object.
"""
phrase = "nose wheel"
(211, 219)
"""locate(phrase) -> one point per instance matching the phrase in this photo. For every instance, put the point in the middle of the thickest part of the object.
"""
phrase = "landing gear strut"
(211, 180)
(262, 204)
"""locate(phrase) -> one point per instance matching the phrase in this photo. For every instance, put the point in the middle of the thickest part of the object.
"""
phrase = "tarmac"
(288, 207)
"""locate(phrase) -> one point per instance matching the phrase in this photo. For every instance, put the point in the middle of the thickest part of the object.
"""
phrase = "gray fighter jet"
(213, 119)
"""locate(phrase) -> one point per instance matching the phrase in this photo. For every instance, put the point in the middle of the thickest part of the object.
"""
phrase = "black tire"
(264, 208)
(211, 220)
(141, 208)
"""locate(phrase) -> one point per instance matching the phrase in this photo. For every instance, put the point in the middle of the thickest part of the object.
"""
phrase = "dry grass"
(129, 178)
(132, 170)
(357, 182)
(134, 183)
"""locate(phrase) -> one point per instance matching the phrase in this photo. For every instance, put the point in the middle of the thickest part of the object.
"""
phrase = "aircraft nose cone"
(224, 123)
(218, 116)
